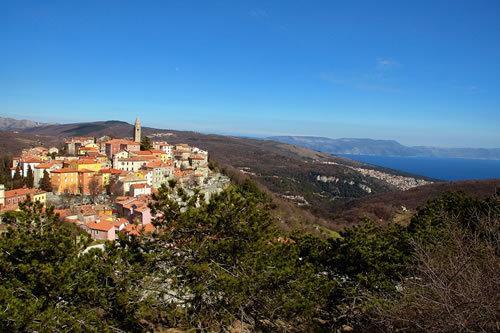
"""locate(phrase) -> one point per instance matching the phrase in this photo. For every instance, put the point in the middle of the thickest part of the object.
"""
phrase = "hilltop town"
(105, 185)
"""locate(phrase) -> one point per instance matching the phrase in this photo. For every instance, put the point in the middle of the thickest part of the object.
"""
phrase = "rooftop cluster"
(119, 172)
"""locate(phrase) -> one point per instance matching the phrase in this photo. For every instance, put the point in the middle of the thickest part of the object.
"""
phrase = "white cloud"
(387, 63)
(258, 13)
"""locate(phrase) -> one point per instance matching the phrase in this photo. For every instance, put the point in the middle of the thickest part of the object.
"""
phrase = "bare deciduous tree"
(456, 287)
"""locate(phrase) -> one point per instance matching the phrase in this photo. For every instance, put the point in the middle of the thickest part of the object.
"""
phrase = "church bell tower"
(137, 130)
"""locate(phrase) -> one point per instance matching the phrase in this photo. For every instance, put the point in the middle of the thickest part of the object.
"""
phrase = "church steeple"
(137, 130)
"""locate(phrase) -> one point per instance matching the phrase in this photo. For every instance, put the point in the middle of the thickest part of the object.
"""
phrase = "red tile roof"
(157, 151)
(101, 226)
(134, 186)
(135, 230)
(65, 170)
(111, 171)
(95, 154)
(153, 164)
(47, 165)
(22, 191)
(143, 153)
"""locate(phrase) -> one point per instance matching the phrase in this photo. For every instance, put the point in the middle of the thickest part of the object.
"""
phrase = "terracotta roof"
(135, 186)
(135, 230)
(86, 171)
(157, 151)
(111, 170)
(65, 170)
(101, 226)
(22, 191)
(153, 164)
(94, 154)
(158, 164)
(128, 202)
(143, 152)
(47, 165)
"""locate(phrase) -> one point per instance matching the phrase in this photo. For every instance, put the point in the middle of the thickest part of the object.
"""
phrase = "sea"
(436, 167)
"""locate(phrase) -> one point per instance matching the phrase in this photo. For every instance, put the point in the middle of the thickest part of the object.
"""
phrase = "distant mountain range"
(10, 124)
(384, 148)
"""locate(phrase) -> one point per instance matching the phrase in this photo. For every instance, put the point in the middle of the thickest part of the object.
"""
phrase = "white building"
(25, 164)
(139, 189)
(164, 146)
(132, 163)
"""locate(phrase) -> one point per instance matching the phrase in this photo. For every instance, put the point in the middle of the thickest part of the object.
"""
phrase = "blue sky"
(420, 72)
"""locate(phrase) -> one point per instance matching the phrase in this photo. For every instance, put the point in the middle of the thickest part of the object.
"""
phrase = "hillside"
(306, 178)
(12, 143)
(112, 127)
(399, 206)
(384, 148)
(10, 124)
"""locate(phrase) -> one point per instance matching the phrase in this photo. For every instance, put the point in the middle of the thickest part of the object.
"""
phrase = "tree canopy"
(30, 178)
(146, 143)
(44, 182)
(223, 264)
